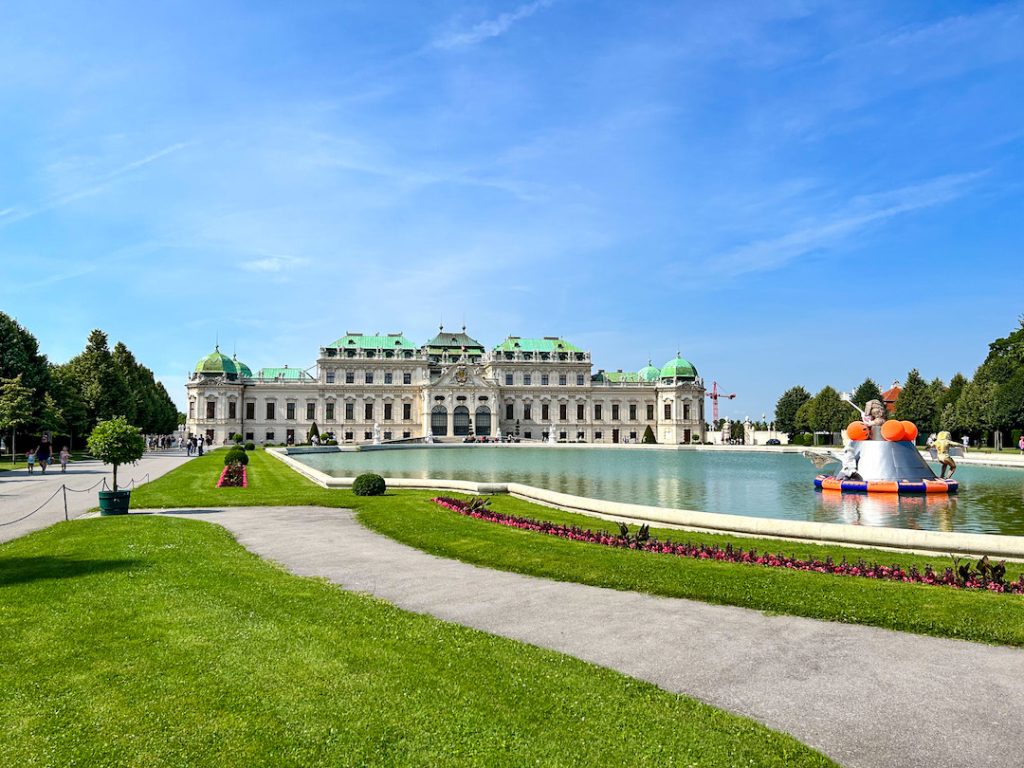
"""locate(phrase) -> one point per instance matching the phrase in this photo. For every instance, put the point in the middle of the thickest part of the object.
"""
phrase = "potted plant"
(116, 442)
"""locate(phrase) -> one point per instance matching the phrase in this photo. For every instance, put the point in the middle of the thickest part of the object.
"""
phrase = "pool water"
(991, 500)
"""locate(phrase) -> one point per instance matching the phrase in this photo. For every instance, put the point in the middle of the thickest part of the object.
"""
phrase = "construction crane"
(715, 395)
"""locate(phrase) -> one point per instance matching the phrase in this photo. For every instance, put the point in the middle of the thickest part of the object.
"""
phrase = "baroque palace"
(451, 387)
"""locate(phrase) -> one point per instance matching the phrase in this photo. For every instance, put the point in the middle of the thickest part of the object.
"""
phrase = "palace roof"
(218, 364)
(546, 344)
(286, 373)
(446, 340)
(356, 340)
(616, 377)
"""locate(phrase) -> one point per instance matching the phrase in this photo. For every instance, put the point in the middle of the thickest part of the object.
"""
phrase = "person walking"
(1020, 444)
(200, 444)
(43, 454)
(30, 459)
(65, 456)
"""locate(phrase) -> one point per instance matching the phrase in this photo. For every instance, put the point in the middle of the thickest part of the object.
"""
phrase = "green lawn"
(151, 641)
(410, 517)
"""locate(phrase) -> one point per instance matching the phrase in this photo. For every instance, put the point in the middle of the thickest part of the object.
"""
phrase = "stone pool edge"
(899, 539)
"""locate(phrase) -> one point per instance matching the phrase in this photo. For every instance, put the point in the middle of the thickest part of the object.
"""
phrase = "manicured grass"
(162, 642)
(409, 517)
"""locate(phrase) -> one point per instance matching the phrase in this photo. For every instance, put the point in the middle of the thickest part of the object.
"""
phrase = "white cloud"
(490, 28)
(273, 264)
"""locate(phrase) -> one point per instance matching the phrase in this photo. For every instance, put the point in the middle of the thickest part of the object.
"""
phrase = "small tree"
(868, 390)
(116, 442)
(15, 406)
(237, 437)
(313, 432)
(786, 410)
(648, 437)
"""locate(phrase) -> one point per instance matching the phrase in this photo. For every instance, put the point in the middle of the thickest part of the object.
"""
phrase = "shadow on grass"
(23, 570)
(185, 512)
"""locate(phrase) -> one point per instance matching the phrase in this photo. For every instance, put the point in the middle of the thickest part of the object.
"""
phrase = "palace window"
(528, 434)
(329, 416)
(632, 411)
(615, 412)
(388, 378)
(369, 377)
(406, 412)
(350, 377)
(632, 437)
(579, 379)
(349, 435)
(668, 410)
(191, 409)
(310, 411)
(232, 409)
(407, 378)
(509, 414)
(526, 413)
(270, 411)
(562, 411)
(289, 411)
(387, 411)
(330, 377)
(508, 379)
(250, 436)
(562, 380)
(270, 437)
(368, 411)
(350, 412)
(210, 408)
(527, 379)
(598, 435)
(545, 412)
(597, 411)
(250, 410)
(544, 379)
(367, 435)
(686, 411)
(650, 412)
(387, 435)
(407, 434)
(580, 412)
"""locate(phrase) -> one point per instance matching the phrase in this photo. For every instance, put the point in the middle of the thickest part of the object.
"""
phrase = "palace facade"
(451, 387)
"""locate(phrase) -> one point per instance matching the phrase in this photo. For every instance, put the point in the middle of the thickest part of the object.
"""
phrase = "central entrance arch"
(460, 421)
(483, 421)
(439, 421)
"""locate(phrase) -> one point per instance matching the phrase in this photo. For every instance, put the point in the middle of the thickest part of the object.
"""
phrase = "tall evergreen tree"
(868, 390)
(19, 355)
(956, 386)
(830, 414)
(97, 377)
(916, 404)
(787, 407)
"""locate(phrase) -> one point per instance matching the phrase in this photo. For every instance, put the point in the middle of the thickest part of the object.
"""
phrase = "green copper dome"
(243, 370)
(678, 368)
(217, 363)
(648, 372)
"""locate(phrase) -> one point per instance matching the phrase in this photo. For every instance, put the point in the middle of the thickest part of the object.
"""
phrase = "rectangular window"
(528, 434)
(406, 434)
(686, 411)
(509, 413)
(210, 409)
(310, 411)
(579, 412)
(545, 412)
(598, 435)
(191, 409)
(668, 410)
(527, 380)
(250, 410)
(350, 377)
(508, 379)
(368, 411)
(387, 411)
(406, 412)
(579, 379)
(544, 379)
(563, 411)
(350, 412)
(329, 416)
(349, 435)
(615, 412)
(369, 377)
(232, 409)
(270, 437)
(597, 411)
(387, 435)
(330, 377)
(526, 414)
(367, 435)
(632, 411)
(250, 436)
(389, 378)
(562, 381)
(632, 437)
(289, 411)
(270, 411)
(650, 412)
(407, 378)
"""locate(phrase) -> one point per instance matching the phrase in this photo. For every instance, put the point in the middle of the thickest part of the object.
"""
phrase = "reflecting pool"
(991, 500)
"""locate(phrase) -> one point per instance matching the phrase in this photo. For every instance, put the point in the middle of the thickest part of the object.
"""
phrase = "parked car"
(774, 441)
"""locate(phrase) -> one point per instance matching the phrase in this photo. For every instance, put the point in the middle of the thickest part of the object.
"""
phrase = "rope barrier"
(25, 517)
(64, 489)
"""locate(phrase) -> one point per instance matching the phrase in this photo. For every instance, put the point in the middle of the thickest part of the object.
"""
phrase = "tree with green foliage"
(314, 431)
(829, 413)
(15, 407)
(116, 442)
(973, 410)
(956, 386)
(787, 407)
(1005, 357)
(1008, 402)
(51, 416)
(648, 437)
(19, 355)
(916, 403)
(68, 395)
(98, 378)
(868, 390)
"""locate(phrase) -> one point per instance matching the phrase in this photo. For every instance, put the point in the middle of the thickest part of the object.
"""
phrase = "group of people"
(194, 445)
(43, 456)
(162, 442)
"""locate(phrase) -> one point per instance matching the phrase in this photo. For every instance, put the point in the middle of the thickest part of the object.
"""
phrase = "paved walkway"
(20, 492)
(863, 696)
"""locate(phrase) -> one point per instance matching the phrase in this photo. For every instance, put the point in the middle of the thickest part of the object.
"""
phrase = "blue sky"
(787, 192)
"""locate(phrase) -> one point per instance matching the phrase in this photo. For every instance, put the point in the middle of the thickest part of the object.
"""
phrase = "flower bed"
(233, 476)
(982, 575)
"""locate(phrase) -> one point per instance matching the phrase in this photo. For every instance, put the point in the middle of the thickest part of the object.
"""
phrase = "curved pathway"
(862, 695)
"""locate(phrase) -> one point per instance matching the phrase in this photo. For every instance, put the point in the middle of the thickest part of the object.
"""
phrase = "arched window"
(483, 421)
(439, 421)
(460, 421)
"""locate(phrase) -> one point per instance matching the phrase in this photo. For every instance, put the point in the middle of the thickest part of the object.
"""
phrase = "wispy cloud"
(274, 263)
(18, 213)
(489, 28)
(830, 231)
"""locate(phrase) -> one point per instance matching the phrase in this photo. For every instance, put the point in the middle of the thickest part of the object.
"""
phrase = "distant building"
(891, 395)
(451, 387)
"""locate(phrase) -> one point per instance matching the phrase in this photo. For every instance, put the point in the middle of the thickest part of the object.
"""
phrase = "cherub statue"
(873, 414)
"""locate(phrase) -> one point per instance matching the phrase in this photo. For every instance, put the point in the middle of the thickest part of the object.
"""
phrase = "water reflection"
(991, 500)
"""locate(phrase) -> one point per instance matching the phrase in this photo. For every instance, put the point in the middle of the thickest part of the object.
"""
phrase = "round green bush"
(369, 484)
(236, 456)
(250, 446)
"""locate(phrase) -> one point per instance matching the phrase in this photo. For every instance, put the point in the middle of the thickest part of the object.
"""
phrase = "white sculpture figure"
(429, 439)
(552, 437)
(873, 414)
(376, 433)
(748, 432)
(726, 431)
(848, 459)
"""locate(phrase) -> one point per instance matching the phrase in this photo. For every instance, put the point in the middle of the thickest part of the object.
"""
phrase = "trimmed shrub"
(250, 446)
(369, 484)
(237, 437)
(236, 456)
(648, 437)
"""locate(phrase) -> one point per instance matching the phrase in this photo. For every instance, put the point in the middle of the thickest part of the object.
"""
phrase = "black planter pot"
(114, 502)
